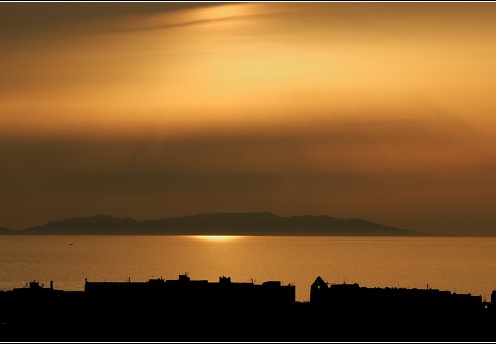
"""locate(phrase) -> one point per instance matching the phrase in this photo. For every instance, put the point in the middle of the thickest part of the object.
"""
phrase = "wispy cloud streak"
(191, 23)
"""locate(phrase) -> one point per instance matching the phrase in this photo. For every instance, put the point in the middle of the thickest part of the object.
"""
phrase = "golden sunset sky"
(376, 110)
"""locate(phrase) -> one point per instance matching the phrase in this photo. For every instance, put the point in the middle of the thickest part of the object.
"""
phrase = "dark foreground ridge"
(202, 311)
(261, 223)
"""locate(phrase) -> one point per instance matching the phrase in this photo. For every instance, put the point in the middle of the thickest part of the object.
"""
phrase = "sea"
(462, 265)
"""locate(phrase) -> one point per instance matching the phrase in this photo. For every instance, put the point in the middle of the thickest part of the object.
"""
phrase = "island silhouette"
(249, 223)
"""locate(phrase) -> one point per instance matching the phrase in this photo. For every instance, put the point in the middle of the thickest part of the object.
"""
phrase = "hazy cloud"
(349, 169)
(373, 110)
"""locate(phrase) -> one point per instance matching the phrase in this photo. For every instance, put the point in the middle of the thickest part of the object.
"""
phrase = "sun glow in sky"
(382, 111)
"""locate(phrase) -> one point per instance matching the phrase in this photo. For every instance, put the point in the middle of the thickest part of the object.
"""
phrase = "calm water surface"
(461, 265)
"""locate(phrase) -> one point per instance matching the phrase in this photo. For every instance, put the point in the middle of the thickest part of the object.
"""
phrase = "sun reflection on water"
(217, 238)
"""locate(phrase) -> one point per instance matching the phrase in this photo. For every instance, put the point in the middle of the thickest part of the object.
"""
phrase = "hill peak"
(219, 223)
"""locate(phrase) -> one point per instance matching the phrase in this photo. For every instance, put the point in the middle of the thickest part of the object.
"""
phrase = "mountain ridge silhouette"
(217, 223)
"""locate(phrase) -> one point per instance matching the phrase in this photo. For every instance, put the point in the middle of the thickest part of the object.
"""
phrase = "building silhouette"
(198, 310)
(185, 292)
(354, 298)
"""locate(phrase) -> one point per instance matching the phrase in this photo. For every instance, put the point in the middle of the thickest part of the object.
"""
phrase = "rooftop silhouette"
(199, 310)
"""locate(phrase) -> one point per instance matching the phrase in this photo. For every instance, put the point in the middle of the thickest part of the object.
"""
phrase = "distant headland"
(249, 223)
